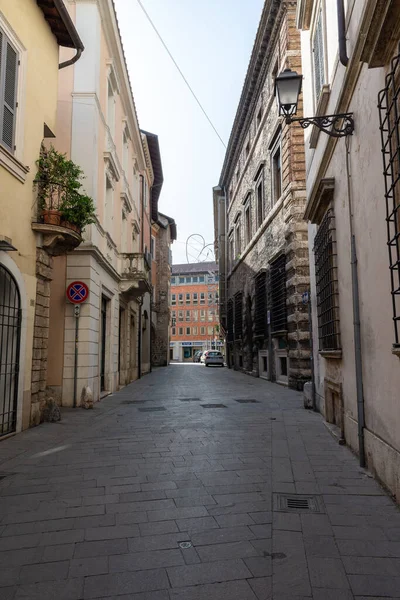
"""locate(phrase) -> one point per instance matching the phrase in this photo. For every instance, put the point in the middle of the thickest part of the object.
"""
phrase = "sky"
(211, 41)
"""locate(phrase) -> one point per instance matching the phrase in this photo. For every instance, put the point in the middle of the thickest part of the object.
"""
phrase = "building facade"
(194, 305)
(164, 233)
(261, 238)
(352, 65)
(99, 130)
(31, 33)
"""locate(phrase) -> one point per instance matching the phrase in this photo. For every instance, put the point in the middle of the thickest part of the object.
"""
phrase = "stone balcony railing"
(135, 275)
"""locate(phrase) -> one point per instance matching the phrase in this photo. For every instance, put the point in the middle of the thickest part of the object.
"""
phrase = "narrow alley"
(193, 484)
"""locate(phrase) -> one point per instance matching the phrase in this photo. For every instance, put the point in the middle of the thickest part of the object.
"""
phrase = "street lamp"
(287, 92)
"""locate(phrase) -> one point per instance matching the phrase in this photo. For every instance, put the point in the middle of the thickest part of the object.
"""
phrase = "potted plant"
(59, 182)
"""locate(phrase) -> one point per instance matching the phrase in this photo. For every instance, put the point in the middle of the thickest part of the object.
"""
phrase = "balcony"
(59, 235)
(135, 276)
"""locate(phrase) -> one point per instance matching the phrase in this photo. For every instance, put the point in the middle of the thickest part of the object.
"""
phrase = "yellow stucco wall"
(37, 86)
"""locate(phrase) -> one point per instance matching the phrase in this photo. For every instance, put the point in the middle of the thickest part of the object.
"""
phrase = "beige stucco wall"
(38, 72)
(381, 369)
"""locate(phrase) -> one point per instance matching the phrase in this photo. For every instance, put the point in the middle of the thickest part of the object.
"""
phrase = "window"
(259, 117)
(210, 330)
(260, 199)
(173, 331)
(195, 298)
(230, 313)
(124, 233)
(173, 318)
(195, 279)
(109, 205)
(172, 280)
(238, 315)
(276, 174)
(181, 280)
(210, 298)
(187, 330)
(195, 315)
(260, 310)
(188, 279)
(202, 298)
(9, 58)
(202, 315)
(238, 241)
(247, 150)
(180, 330)
(238, 174)
(125, 151)
(180, 315)
(173, 299)
(145, 194)
(210, 315)
(247, 222)
(202, 330)
(278, 294)
(327, 284)
(318, 57)
(110, 108)
(188, 315)
(187, 298)
(201, 279)
(180, 298)
(231, 251)
(194, 329)
(153, 248)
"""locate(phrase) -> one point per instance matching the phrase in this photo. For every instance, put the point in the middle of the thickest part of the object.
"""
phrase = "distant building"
(261, 237)
(194, 304)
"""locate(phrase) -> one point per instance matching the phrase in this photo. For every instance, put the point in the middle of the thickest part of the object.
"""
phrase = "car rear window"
(214, 354)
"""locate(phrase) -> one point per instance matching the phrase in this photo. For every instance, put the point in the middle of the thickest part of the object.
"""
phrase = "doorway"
(10, 335)
(103, 336)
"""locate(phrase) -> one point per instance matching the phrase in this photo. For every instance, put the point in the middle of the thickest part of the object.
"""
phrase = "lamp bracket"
(337, 126)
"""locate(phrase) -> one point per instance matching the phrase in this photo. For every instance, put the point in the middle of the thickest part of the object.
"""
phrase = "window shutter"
(318, 50)
(8, 86)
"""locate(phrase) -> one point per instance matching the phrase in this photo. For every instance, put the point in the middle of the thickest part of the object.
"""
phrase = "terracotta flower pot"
(51, 217)
(72, 226)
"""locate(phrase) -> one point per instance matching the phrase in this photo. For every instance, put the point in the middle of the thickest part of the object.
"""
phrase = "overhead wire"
(180, 72)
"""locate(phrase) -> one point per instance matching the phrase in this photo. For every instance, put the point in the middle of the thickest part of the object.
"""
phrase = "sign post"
(77, 293)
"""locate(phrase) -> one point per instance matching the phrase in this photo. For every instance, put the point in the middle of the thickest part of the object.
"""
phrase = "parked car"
(197, 355)
(214, 357)
(203, 356)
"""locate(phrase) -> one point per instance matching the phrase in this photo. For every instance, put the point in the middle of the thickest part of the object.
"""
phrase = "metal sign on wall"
(77, 292)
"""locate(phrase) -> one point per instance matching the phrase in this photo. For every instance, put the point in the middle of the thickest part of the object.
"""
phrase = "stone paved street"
(98, 505)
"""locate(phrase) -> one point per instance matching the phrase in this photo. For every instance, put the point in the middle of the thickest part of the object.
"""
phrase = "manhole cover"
(185, 545)
(190, 399)
(297, 503)
(152, 409)
(246, 400)
(213, 405)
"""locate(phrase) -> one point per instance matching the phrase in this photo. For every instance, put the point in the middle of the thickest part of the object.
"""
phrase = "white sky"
(211, 40)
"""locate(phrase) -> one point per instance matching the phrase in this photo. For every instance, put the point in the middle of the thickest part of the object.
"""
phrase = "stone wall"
(160, 339)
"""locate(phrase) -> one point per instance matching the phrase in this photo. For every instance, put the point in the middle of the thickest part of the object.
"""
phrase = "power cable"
(180, 72)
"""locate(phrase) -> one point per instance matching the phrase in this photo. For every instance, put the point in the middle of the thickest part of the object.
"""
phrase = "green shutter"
(8, 91)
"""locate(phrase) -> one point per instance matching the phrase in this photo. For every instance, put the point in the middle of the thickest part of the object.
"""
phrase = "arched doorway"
(10, 335)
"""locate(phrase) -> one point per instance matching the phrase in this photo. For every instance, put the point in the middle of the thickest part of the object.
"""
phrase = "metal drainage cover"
(298, 503)
(190, 399)
(185, 545)
(133, 401)
(213, 405)
(246, 401)
(152, 409)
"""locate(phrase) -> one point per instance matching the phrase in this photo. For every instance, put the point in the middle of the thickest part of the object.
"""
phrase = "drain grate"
(298, 503)
(152, 409)
(246, 400)
(190, 399)
(213, 405)
(133, 401)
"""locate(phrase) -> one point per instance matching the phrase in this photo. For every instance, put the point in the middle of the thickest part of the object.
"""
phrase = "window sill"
(13, 165)
(335, 354)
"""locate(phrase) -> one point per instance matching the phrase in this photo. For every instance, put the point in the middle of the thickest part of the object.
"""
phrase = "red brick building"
(194, 309)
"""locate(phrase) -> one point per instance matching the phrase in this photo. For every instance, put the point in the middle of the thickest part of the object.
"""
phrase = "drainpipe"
(141, 301)
(151, 290)
(344, 59)
(356, 317)
(69, 25)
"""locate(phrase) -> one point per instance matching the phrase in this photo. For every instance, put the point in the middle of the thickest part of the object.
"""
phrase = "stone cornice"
(263, 47)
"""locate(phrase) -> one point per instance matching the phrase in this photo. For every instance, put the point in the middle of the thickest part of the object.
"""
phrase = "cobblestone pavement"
(98, 506)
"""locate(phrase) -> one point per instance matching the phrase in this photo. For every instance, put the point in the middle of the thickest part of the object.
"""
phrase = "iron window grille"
(238, 316)
(278, 294)
(260, 310)
(389, 115)
(230, 320)
(327, 284)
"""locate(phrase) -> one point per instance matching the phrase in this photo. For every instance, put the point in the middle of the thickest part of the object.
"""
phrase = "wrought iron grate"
(152, 409)
(246, 401)
(133, 402)
(298, 503)
(278, 294)
(389, 115)
(238, 316)
(260, 312)
(190, 399)
(327, 284)
(213, 405)
(230, 321)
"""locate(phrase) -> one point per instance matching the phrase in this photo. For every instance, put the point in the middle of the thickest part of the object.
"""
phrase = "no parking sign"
(77, 292)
